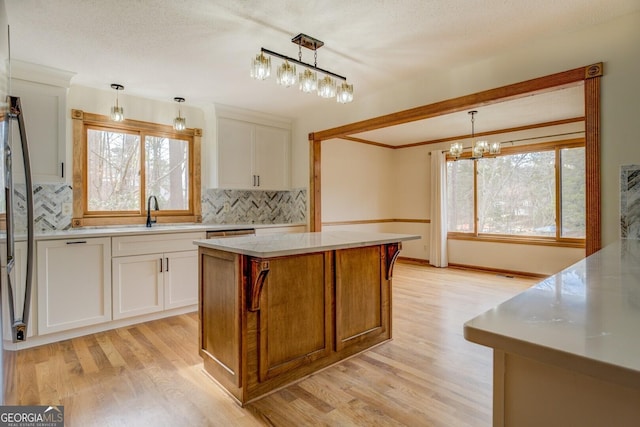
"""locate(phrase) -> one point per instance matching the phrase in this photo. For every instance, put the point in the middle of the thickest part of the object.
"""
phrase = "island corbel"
(259, 271)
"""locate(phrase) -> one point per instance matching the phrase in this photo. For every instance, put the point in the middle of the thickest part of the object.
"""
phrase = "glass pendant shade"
(117, 113)
(260, 67)
(494, 148)
(179, 123)
(327, 87)
(479, 148)
(345, 93)
(286, 75)
(455, 150)
(308, 81)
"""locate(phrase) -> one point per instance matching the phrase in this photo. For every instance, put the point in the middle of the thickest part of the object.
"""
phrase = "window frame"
(558, 239)
(82, 121)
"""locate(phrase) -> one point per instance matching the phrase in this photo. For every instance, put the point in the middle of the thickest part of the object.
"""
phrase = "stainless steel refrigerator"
(15, 170)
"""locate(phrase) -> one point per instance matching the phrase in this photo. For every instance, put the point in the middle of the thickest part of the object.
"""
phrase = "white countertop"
(586, 318)
(269, 246)
(107, 231)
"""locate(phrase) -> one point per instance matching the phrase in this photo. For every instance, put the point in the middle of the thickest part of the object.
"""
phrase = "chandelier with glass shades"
(307, 80)
(478, 148)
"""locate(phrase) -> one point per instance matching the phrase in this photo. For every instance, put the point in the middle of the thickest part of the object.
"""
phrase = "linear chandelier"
(478, 148)
(287, 76)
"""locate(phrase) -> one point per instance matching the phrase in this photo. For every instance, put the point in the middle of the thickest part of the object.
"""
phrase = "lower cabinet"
(149, 283)
(181, 279)
(154, 272)
(74, 283)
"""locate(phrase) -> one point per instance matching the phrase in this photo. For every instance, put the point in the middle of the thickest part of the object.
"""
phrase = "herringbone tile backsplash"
(218, 207)
(253, 207)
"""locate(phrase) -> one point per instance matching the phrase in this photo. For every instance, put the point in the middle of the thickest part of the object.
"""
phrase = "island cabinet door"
(220, 317)
(294, 318)
(363, 297)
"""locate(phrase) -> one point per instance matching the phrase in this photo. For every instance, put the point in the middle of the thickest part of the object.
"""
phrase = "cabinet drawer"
(154, 243)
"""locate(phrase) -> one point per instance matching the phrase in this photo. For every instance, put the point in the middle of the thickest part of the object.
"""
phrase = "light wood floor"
(150, 374)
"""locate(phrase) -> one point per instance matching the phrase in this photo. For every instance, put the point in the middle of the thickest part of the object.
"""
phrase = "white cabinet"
(271, 158)
(181, 279)
(74, 283)
(152, 273)
(253, 156)
(137, 285)
(43, 108)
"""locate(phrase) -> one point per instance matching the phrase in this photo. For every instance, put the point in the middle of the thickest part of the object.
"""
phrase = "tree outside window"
(118, 166)
(519, 194)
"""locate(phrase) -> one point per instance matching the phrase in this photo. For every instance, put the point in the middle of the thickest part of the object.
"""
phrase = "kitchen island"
(276, 308)
(567, 351)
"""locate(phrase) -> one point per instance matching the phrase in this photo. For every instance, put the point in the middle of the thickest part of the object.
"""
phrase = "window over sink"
(118, 166)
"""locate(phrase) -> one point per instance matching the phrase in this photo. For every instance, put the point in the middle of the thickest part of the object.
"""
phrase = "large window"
(533, 192)
(120, 165)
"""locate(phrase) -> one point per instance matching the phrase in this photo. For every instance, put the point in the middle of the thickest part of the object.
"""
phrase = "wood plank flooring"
(151, 375)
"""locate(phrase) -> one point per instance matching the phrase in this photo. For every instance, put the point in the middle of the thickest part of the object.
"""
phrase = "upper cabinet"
(43, 95)
(253, 155)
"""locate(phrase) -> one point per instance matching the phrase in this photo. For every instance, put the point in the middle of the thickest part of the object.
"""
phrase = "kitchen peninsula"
(567, 351)
(276, 308)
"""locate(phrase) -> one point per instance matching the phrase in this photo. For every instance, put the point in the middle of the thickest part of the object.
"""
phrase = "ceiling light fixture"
(308, 80)
(117, 113)
(260, 67)
(478, 148)
(179, 123)
(286, 74)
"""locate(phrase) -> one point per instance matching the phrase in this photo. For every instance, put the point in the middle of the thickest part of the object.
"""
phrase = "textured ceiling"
(201, 49)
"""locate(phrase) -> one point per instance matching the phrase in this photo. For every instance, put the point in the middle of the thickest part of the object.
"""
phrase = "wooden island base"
(266, 322)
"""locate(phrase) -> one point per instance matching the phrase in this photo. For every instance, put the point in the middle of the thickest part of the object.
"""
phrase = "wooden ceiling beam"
(518, 90)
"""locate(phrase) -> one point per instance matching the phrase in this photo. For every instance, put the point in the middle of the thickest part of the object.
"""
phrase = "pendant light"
(345, 93)
(117, 113)
(456, 150)
(308, 78)
(327, 87)
(478, 148)
(179, 123)
(261, 67)
(308, 81)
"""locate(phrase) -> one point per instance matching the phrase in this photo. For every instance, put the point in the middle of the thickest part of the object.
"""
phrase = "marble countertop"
(108, 231)
(269, 246)
(586, 318)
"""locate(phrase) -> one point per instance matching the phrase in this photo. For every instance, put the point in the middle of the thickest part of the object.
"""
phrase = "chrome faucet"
(155, 207)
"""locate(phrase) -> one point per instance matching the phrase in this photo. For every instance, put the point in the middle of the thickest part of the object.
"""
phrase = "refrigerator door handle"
(19, 325)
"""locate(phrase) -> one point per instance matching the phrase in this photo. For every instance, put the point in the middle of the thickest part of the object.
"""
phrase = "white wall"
(358, 181)
(615, 43)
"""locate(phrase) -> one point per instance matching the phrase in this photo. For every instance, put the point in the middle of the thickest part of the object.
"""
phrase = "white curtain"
(438, 242)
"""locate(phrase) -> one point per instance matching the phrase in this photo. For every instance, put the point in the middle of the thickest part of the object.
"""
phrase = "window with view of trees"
(120, 165)
(526, 192)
